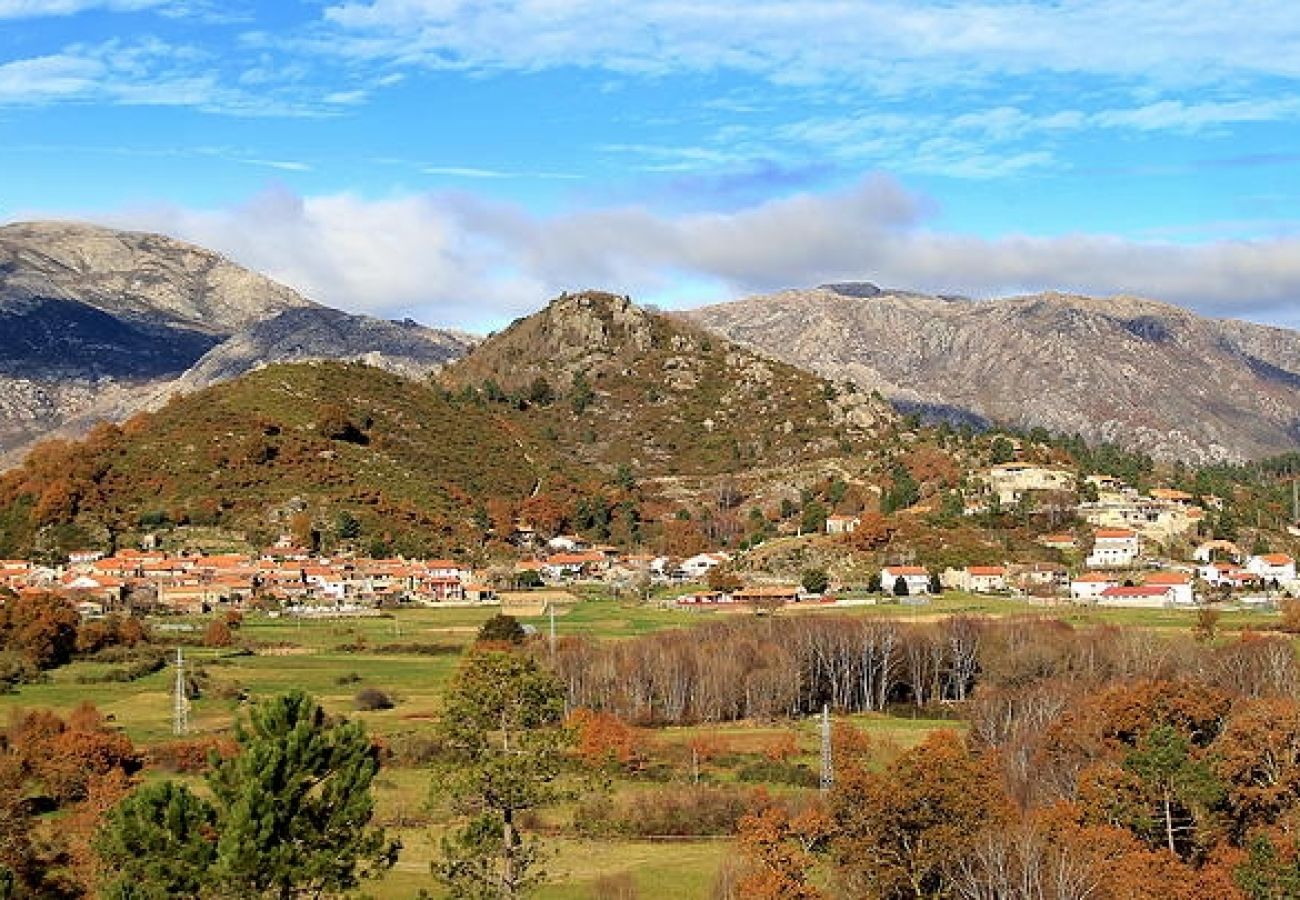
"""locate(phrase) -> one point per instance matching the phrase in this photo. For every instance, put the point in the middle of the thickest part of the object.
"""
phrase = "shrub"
(414, 748)
(502, 628)
(371, 699)
(666, 811)
(218, 634)
(768, 771)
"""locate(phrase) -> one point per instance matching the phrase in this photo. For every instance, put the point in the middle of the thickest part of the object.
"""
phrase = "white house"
(1207, 552)
(1180, 583)
(842, 524)
(1272, 567)
(1114, 548)
(699, 565)
(1090, 585)
(1144, 596)
(1219, 574)
(917, 579)
(976, 579)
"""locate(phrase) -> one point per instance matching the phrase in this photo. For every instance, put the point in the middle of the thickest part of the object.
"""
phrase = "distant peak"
(852, 288)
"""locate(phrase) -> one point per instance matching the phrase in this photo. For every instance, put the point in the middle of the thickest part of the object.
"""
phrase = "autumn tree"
(217, 634)
(896, 830)
(42, 626)
(778, 860)
(501, 720)
(603, 740)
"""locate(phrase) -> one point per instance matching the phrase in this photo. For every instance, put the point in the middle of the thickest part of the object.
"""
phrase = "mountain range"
(99, 323)
(1141, 374)
(592, 410)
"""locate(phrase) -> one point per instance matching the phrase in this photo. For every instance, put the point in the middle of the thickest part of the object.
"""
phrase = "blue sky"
(461, 161)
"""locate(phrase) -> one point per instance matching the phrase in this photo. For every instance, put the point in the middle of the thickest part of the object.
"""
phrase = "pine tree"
(157, 843)
(289, 817)
(502, 717)
(296, 804)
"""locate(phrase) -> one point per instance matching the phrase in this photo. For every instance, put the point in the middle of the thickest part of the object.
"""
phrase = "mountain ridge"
(99, 323)
(1128, 370)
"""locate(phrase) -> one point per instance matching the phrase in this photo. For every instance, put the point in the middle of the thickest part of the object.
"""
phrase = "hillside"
(623, 386)
(1135, 372)
(591, 413)
(97, 323)
(250, 453)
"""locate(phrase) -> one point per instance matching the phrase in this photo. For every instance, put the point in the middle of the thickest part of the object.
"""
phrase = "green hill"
(399, 455)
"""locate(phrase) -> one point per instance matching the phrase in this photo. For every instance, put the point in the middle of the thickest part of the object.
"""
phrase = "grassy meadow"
(334, 659)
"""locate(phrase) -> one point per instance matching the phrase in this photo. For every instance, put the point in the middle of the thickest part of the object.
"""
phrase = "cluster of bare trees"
(792, 666)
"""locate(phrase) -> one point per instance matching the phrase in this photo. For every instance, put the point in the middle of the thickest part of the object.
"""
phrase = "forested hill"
(569, 416)
(251, 453)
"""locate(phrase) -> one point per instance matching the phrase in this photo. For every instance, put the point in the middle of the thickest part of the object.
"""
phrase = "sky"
(461, 161)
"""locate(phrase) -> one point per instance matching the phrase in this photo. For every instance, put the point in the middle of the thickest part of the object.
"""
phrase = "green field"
(333, 659)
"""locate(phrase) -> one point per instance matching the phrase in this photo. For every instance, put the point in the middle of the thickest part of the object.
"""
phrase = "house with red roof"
(1090, 585)
(1180, 583)
(1142, 596)
(1270, 567)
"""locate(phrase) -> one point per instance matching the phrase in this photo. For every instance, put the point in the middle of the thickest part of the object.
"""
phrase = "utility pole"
(828, 771)
(181, 709)
(550, 608)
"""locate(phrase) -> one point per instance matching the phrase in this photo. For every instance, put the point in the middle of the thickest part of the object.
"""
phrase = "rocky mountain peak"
(1128, 370)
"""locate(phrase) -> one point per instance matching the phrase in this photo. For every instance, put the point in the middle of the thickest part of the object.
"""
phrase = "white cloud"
(457, 259)
(898, 45)
(32, 9)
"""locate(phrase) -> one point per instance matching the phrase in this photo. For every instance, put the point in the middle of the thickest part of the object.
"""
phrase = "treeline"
(1098, 765)
(794, 666)
(42, 630)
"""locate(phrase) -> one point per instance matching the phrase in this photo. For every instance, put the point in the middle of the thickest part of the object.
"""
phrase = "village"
(1126, 555)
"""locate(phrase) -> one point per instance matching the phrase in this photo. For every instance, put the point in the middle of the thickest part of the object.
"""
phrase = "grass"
(310, 654)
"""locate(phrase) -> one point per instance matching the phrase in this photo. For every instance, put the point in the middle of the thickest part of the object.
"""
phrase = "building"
(1114, 548)
(916, 578)
(1090, 585)
(1270, 567)
(842, 524)
(975, 579)
(1180, 583)
(1140, 596)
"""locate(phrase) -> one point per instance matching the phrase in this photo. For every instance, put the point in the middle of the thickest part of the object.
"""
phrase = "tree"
(897, 830)
(41, 626)
(217, 634)
(540, 392)
(1001, 451)
(346, 526)
(813, 518)
(295, 804)
(502, 720)
(1178, 788)
(779, 862)
(723, 578)
(815, 581)
(502, 628)
(157, 843)
(900, 587)
(582, 395)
